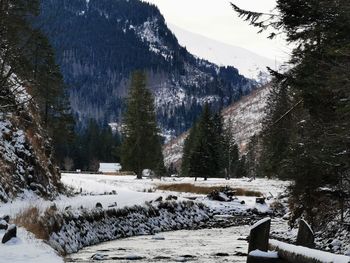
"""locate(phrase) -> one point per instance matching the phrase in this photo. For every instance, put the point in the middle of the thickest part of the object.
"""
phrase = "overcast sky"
(216, 19)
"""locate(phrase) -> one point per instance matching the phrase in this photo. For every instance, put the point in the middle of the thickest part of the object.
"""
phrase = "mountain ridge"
(104, 41)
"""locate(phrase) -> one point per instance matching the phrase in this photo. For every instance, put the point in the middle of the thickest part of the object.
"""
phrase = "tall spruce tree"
(187, 151)
(242, 167)
(252, 156)
(229, 152)
(141, 146)
(210, 149)
(202, 161)
(204, 147)
(277, 132)
(319, 145)
(219, 144)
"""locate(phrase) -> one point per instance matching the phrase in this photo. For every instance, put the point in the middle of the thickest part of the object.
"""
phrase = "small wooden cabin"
(109, 168)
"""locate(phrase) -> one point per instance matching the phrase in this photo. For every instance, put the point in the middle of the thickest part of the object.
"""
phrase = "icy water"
(204, 246)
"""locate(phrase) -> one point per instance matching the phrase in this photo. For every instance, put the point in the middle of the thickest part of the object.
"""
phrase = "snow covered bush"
(71, 230)
(26, 156)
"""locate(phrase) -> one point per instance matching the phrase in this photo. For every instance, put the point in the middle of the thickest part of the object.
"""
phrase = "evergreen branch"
(7, 106)
(251, 14)
(287, 112)
(278, 76)
(259, 19)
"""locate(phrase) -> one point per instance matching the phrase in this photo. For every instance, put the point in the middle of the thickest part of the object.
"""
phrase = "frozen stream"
(204, 246)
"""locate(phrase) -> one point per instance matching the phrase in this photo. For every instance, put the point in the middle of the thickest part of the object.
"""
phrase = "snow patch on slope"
(248, 63)
(148, 32)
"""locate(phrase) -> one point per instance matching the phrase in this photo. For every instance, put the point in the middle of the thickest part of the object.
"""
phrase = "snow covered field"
(99, 184)
(127, 191)
(131, 191)
(103, 184)
(121, 191)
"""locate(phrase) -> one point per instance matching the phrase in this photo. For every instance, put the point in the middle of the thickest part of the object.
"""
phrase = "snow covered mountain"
(249, 64)
(245, 117)
(100, 43)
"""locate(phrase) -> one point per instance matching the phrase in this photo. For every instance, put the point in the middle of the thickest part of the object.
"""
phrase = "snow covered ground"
(27, 249)
(131, 191)
(110, 191)
(101, 184)
(125, 191)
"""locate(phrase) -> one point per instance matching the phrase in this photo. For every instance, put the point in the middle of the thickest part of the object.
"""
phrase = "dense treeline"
(91, 146)
(306, 132)
(210, 149)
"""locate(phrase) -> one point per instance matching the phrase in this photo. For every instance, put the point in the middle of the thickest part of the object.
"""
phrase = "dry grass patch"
(40, 224)
(29, 219)
(191, 188)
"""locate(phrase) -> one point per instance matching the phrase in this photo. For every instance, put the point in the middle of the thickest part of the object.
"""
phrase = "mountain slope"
(100, 42)
(245, 117)
(248, 63)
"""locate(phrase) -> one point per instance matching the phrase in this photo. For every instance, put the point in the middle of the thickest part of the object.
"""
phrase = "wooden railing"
(302, 252)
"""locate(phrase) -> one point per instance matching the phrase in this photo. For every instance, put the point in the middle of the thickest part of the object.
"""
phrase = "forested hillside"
(33, 106)
(243, 119)
(99, 43)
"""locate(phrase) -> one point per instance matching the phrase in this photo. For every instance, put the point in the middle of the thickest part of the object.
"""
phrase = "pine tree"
(230, 152)
(202, 162)
(253, 156)
(242, 167)
(218, 141)
(210, 150)
(318, 153)
(172, 170)
(203, 158)
(141, 147)
(277, 132)
(187, 151)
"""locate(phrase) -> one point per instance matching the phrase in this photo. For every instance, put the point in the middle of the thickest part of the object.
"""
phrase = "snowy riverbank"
(111, 207)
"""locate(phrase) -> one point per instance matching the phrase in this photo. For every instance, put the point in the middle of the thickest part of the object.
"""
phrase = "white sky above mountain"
(248, 63)
(216, 19)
